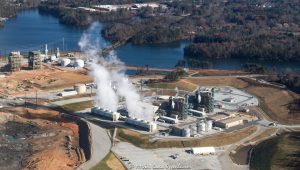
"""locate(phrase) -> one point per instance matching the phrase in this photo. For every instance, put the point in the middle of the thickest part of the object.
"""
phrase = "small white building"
(203, 150)
(67, 93)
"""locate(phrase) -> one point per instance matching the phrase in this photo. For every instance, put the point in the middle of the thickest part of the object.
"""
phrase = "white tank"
(53, 58)
(80, 88)
(201, 127)
(79, 63)
(65, 62)
(193, 129)
(186, 132)
(209, 125)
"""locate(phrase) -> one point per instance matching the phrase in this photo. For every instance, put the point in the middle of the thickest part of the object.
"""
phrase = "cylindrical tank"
(65, 61)
(193, 129)
(52, 58)
(200, 127)
(80, 88)
(209, 125)
(79, 63)
(186, 132)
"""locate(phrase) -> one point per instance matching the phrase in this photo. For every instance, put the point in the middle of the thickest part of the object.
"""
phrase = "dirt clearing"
(276, 102)
(38, 139)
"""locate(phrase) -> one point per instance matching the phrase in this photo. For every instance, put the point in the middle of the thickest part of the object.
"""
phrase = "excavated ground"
(37, 142)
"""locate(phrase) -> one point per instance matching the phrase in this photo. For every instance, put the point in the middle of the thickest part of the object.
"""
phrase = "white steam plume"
(105, 96)
(103, 78)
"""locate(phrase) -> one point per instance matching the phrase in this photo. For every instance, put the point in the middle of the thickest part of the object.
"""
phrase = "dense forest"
(10, 8)
(264, 30)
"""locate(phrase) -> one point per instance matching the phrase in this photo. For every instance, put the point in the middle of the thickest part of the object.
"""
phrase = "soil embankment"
(39, 139)
(84, 134)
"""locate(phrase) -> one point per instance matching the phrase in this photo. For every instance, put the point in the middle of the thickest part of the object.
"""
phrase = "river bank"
(18, 31)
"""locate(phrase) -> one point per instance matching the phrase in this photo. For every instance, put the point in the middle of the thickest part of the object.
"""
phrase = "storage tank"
(186, 132)
(80, 88)
(153, 127)
(65, 62)
(193, 129)
(79, 63)
(208, 125)
(53, 58)
(200, 127)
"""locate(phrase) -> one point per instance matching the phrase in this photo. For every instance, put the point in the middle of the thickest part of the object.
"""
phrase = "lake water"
(31, 30)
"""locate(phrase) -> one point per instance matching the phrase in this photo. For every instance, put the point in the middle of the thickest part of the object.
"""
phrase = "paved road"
(226, 161)
(100, 145)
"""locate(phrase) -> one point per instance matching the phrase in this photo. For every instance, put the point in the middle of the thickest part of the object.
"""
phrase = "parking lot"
(165, 158)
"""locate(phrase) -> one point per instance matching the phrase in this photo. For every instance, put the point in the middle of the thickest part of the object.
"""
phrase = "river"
(31, 30)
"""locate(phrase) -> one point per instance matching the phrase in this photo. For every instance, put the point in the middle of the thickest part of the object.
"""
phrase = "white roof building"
(203, 150)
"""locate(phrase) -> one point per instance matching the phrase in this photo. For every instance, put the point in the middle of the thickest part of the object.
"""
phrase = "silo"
(79, 63)
(186, 132)
(65, 62)
(208, 125)
(80, 88)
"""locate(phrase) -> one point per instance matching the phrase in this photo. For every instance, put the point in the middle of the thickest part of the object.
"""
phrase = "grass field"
(265, 134)
(74, 107)
(180, 84)
(275, 103)
(110, 162)
(221, 139)
(281, 152)
(219, 81)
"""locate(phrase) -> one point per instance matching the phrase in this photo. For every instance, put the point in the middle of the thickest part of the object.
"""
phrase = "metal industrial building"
(228, 120)
(114, 116)
(150, 126)
(35, 60)
(15, 60)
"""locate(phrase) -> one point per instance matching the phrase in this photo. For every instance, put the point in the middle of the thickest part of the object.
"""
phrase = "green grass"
(74, 107)
(103, 165)
(282, 152)
(144, 141)
(161, 85)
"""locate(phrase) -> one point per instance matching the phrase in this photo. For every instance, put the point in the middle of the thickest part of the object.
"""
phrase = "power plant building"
(114, 116)
(35, 60)
(203, 98)
(177, 106)
(169, 119)
(150, 126)
(228, 120)
(15, 60)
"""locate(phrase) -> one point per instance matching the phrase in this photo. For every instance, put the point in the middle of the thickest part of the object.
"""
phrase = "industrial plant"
(187, 115)
(34, 60)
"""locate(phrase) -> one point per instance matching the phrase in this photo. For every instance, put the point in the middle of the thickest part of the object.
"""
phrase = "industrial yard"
(168, 158)
(192, 123)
